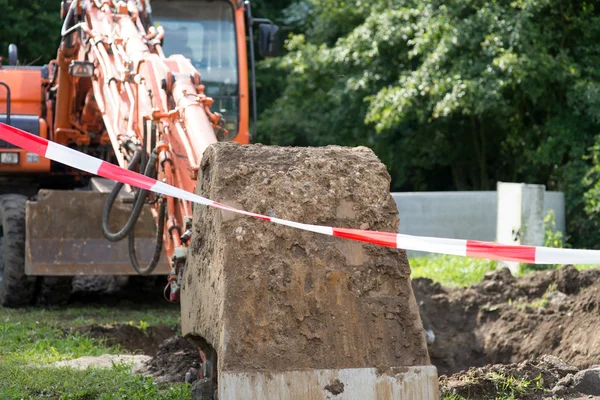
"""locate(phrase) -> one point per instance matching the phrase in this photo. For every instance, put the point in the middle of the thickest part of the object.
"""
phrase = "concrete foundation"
(408, 383)
(281, 305)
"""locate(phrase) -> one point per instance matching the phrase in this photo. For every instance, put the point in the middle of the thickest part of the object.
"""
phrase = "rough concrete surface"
(273, 297)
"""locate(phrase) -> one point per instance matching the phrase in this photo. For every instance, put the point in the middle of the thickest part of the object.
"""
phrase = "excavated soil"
(546, 377)
(503, 320)
(173, 360)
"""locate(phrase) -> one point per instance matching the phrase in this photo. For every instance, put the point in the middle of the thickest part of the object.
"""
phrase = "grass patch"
(448, 270)
(457, 271)
(512, 388)
(18, 381)
(498, 386)
(80, 314)
(31, 338)
(528, 268)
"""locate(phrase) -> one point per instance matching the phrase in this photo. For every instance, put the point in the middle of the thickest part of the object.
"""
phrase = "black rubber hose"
(157, 248)
(137, 207)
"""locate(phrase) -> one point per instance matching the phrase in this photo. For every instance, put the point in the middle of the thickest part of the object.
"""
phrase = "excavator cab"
(206, 33)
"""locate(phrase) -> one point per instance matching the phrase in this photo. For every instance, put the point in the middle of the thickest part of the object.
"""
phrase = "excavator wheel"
(54, 290)
(16, 288)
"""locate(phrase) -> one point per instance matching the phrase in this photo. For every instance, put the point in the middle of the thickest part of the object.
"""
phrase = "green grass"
(31, 338)
(452, 271)
(456, 271)
(95, 313)
(505, 387)
(41, 382)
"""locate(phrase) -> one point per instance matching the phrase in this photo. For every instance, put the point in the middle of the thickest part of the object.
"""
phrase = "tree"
(34, 26)
(450, 94)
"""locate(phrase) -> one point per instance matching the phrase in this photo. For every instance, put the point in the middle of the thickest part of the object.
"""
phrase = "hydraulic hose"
(140, 198)
(157, 248)
(137, 206)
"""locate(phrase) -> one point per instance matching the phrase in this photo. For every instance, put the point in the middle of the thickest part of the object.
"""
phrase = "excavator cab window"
(204, 32)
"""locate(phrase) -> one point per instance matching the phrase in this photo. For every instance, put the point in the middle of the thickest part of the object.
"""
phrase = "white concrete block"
(398, 383)
(520, 216)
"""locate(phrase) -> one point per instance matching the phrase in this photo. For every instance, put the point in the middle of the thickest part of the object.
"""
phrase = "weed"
(511, 388)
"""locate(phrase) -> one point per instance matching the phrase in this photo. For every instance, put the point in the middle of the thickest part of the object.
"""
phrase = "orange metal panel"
(240, 27)
(42, 165)
(25, 89)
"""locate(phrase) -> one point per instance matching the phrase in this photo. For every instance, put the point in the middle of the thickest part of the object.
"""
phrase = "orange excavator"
(147, 85)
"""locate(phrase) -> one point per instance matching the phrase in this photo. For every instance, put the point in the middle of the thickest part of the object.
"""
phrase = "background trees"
(33, 25)
(452, 95)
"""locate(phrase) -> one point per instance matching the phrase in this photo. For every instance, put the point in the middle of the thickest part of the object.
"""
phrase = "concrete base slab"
(400, 383)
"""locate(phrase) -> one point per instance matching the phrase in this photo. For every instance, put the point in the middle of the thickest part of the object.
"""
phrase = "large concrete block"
(521, 211)
(273, 298)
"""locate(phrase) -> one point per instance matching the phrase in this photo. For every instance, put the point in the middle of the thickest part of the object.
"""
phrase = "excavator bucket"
(64, 235)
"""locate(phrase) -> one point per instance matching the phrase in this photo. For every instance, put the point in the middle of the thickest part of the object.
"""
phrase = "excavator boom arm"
(112, 72)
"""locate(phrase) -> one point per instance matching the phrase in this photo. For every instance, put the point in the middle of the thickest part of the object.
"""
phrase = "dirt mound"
(129, 337)
(173, 359)
(505, 320)
(540, 378)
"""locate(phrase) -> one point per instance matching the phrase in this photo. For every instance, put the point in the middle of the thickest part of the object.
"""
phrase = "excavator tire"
(54, 290)
(16, 288)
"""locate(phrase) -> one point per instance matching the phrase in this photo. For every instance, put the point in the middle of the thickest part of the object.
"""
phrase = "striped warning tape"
(468, 248)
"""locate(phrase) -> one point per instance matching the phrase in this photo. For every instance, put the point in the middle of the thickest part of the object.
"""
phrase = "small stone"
(587, 381)
(365, 226)
(244, 170)
(556, 298)
(491, 286)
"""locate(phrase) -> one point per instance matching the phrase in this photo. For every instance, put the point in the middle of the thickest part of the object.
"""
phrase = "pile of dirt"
(503, 320)
(541, 378)
(173, 360)
(129, 337)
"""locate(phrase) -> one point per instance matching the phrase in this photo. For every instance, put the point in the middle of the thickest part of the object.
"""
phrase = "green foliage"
(34, 26)
(505, 387)
(552, 237)
(451, 270)
(452, 95)
(510, 387)
(42, 335)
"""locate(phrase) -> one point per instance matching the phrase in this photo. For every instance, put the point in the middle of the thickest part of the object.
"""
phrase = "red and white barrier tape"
(468, 248)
